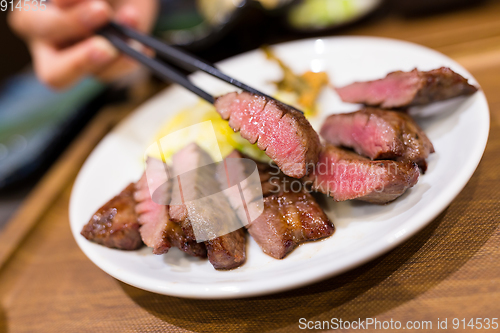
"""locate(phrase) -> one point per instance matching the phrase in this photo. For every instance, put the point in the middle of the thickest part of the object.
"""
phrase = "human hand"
(62, 42)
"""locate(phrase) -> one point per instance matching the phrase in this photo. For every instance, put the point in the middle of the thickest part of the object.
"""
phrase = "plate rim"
(376, 249)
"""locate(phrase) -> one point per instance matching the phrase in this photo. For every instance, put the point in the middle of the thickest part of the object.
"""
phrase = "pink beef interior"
(402, 89)
(285, 146)
(188, 158)
(343, 180)
(284, 134)
(379, 134)
(367, 134)
(152, 216)
(395, 90)
(345, 175)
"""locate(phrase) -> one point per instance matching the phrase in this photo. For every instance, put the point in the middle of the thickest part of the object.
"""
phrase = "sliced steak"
(228, 251)
(402, 89)
(115, 224)
(152, 216)
(289, 218)
(379, 134)
(283, 133)
(345, 175)
(239, 178)
(190, 158)
(441, 84)
(157, 230)
(179, 239)
(201, 208)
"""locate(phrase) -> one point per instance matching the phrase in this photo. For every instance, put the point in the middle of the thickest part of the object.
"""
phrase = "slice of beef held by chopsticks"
(283, 133)
(201, 207)
(289, 217)
(157, 230)
(379, 134)
(115, 224)
(402, 89)
(345, 175)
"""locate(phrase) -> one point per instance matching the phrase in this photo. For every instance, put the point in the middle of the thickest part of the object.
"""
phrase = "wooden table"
(451, 269)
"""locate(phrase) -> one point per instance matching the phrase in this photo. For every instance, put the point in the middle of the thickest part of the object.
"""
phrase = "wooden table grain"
(451, 269)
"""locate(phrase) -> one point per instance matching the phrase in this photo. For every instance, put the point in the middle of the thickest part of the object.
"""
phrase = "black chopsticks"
(117, 35)
(161, 69)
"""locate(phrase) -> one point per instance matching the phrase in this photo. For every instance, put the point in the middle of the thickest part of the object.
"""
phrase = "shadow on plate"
(440, 118)
(346, 212)
(180, 262)
(387, 282)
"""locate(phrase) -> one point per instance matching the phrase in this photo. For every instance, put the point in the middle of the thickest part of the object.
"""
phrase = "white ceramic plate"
(364, 231)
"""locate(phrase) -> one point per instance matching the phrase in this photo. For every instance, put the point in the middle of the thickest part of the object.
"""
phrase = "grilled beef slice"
(152, 216)
(402, 89)
(283, 133)
(289, 218)
(240, 181)
(197, 180)
(379, 134)
(157, 230)
(345, 175)
(115, 224)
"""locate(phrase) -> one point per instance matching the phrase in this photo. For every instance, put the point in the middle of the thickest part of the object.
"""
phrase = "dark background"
(14, 54)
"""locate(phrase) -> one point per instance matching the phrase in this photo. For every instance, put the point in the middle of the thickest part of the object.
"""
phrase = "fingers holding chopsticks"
(62, 42)
(62, 68)
(59, 26)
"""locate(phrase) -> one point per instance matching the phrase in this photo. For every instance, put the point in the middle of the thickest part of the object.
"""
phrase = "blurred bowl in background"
(195, 24)
(311, 16)
(198, 24)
